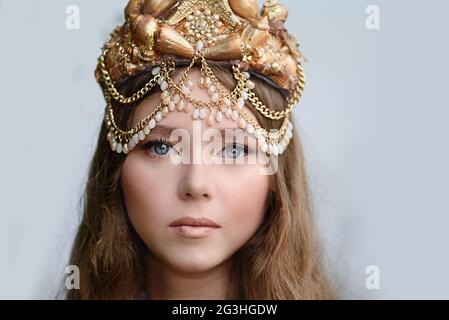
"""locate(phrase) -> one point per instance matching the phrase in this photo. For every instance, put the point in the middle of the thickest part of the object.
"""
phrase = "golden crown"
(159, 33)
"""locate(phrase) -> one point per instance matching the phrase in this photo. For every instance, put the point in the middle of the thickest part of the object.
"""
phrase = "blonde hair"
(281, 261)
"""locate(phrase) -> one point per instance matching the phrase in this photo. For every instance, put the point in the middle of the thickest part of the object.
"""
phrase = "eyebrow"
(165, 131)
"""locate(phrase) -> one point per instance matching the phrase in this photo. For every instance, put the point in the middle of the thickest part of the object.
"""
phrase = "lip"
(194, 227)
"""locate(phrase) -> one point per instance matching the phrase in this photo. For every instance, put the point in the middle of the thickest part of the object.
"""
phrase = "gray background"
(373, 121)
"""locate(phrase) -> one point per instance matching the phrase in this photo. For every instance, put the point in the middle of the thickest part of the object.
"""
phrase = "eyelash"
(158, 141)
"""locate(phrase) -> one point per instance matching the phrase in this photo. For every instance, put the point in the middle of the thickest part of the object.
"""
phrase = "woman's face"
(158, 192)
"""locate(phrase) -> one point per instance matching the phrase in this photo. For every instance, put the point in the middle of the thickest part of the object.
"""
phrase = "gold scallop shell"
(225, 49)
(248, 9)
(157, 7)
(171, 42)
(143, 29)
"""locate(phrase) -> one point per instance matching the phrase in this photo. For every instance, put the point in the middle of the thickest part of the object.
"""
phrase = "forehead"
(181, 119)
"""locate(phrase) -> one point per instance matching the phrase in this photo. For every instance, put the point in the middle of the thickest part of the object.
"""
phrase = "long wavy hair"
(281, 261)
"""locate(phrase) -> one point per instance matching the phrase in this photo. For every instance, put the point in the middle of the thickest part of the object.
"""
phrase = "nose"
(196, 183)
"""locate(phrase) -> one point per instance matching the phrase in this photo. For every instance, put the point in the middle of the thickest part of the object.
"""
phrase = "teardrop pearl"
(210, 119)
(219, 116)
(125, 148)
(158, 116)
(172, 106)
(181, 105)
(141, 135)
(235, 115)
(119, 148)
(203, 113)
(187, 107)
(228, 113)
(242, 123)
(196, 114)
(146, 130)
(215, 97)
(152, 124)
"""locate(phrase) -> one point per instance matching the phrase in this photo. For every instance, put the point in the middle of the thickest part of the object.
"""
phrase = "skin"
(157, 191)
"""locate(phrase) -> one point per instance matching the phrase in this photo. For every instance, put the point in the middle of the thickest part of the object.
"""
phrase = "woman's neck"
(163, 283)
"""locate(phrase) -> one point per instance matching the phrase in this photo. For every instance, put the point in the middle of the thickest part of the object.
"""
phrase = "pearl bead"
(215, 97)
(240, 103)
(203, 113)
(242, 123)
(245, 95)
(119, 148)
(250, 128)
(113, 145)
(196, 114)
(219, 116)
(155, 71)
(181, 105)
(135, 139)
(125, 148)
(164, 95)
(211, 90)
(141, 135)
(185, 90)
(199, 45)
(250, 84)
(264, 147)
(152, 124)
(210, 119)
(166, 101)
(235, 115)
(228, 113)
(164, 85)
(187, 107)
(158, 116)
(246, 75)
(289, 134)
(177, 98)
(146, 130)
(171, 106)
(165, 112)
(226, 102)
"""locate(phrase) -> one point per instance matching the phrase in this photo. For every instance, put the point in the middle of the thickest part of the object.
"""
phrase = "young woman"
(168, 214)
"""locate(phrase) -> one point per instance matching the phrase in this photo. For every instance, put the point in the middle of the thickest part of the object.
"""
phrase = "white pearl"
(164, 85)
(264, 147)
(125, 148)
(158, 116)
(199, 45)
(226, 102)
(211, 91)
(219, 116)
(141, 135)
(113, 145)
(250, 128)
(146, 130)
(171, 106)
(181, 105)
(246, 75)
(177, 98)
(235, 115)
(185, 90)
(228, 113)
(203, 113)
(164, 95)
(280, 148)
(135, 139)
(215, 97)
(152, 124)
(245, 95)
(156, 71)
(160, 80)
(196, 113)
(240, 102)
(289, 134)
(274, 149)
(119, 148)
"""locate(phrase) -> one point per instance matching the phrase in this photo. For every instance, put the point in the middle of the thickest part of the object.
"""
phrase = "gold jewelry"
(225, 31)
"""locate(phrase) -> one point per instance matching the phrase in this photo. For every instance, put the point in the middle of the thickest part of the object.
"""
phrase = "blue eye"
(159, 147)
(234, 150)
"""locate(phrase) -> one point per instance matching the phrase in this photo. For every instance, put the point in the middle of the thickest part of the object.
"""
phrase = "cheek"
(246, 198)
(147, 192)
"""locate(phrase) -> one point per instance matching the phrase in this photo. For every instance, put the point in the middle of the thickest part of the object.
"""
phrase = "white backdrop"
(372, 120)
